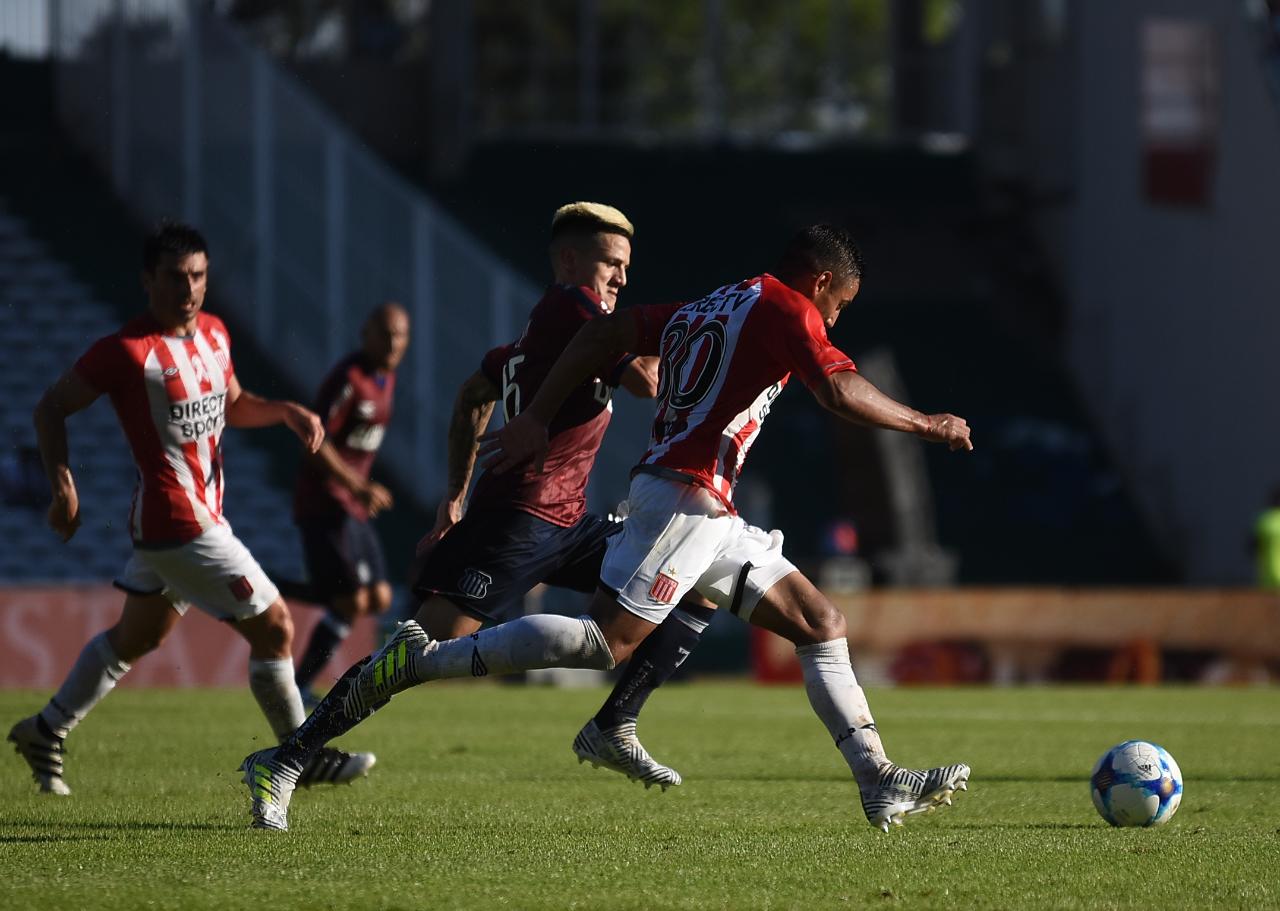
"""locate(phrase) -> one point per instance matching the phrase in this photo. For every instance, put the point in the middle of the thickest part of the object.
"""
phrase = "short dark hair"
(822, 248)
(171, 237)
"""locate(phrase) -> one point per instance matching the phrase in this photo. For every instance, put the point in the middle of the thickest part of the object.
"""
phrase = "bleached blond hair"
(590, 216)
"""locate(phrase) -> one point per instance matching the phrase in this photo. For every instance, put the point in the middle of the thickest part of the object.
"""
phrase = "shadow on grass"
(48, 838)
(129, 825)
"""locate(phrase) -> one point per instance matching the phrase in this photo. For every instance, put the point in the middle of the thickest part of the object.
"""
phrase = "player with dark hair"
(723, 361)
(171, 381)
(335, 497)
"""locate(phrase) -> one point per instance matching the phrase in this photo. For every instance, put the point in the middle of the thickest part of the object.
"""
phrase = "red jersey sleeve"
(799, 342)
(105, 365)
(650, 321)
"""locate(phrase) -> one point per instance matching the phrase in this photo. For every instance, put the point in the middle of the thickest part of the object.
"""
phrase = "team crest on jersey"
(475, 584)
(170, 371)
(197, 365)
(241, 588)
(664, 589)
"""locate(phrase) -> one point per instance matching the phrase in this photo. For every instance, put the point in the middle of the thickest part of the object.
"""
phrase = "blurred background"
(1068, 210)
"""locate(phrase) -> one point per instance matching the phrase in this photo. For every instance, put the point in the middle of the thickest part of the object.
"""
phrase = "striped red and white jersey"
(170, 393)
(723, 360)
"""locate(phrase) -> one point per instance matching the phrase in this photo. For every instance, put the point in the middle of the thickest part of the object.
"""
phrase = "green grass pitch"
(478, 802)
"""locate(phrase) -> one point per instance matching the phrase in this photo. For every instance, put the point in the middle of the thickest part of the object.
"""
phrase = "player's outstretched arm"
(597, 345)
(245, 409)
(472, 408)
(855, 398)
(71, 393)
(640, 377)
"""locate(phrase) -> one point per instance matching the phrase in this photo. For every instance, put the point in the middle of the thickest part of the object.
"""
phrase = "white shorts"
(215, 572)
(678, 537)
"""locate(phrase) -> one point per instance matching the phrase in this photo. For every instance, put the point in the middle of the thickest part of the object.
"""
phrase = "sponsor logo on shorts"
(663, 589)
(475, 584)
(241, 588)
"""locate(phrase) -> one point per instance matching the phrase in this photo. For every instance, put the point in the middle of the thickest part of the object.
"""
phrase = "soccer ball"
(1136, 784)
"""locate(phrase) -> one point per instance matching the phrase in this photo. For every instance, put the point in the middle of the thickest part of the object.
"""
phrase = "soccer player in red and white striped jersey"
(169, 376)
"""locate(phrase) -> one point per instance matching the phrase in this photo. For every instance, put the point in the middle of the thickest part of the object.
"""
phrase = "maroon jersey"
(354, 403)
(170, 393)
(724, 359)
(557, 494)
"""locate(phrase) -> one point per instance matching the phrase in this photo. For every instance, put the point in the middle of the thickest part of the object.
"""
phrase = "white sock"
(542, 640)
(694, 623)
(94, 674)
(272, 684)
(840, 703)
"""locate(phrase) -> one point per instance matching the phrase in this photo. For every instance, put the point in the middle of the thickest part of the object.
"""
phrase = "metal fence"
(308, 230)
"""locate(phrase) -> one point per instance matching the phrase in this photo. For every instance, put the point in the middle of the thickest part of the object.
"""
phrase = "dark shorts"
(343, 554)
(488, 562)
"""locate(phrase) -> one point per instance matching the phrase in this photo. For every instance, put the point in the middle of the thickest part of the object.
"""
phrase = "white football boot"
(619, 749)
(43, 753)
(898, 793)
(271, 785)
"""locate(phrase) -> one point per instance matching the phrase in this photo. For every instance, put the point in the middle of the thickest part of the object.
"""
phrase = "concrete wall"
(1175, 313)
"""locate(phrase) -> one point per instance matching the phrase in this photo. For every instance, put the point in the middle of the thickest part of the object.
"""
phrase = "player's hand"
(375, 498)
(949, 429)
(306, 425)
(521, 440)
(64, 513)
(448, 514)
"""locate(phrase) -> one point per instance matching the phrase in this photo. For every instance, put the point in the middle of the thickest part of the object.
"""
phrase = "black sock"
(325, 639)
(652, 664)
(327, 721)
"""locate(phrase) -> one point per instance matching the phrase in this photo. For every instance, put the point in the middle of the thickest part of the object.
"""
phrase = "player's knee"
(273, 636)
(827, 622)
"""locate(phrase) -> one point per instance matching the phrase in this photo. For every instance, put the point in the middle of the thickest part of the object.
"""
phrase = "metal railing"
(307, 229)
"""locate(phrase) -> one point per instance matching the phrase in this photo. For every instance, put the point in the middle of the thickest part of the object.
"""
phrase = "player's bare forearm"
(248, 410)
(524, 438)
(640, 377)
(326, 458)
(471, 412)
(855, 398)
(71, 393)
(597, 345)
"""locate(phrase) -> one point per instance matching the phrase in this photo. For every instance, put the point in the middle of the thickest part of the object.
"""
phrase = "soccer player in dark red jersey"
(170, 379)
(526, 528)
(335, 497)
(723, 360)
